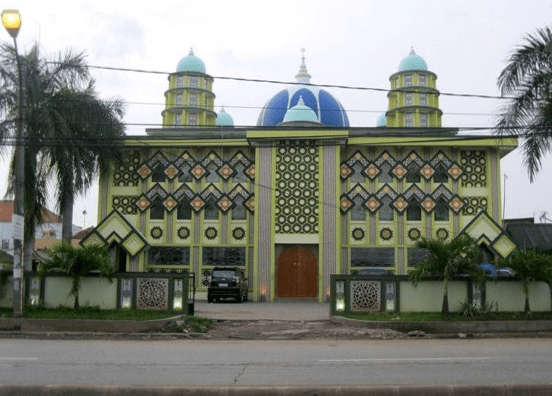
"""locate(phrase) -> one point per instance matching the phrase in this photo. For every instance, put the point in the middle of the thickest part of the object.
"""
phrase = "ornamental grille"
(365, 296)
(152, 294)
(125, 204)
(474, 205)
(125, 173)
(474, 166)
(297, 184)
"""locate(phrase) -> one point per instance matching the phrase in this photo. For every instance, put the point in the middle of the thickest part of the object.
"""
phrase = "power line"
(257, 80)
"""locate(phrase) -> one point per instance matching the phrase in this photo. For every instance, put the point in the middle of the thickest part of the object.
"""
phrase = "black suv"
(224, 282)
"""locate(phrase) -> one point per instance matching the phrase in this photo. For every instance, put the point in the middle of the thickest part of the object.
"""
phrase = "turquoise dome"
(224, 119)
(191, 63)
(382, 121)
(300, 112)
(413, 62)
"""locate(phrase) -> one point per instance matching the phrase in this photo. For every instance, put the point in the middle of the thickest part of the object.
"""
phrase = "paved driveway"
(280, 310)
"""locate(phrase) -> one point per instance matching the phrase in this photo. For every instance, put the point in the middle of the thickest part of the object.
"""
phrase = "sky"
(356, 43)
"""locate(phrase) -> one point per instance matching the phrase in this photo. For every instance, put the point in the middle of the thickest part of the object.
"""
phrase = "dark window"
(358, 174)
(238, 211)
(185, 175)
(211, 211)
(441, 211)
(184, 211)
(213, 176)
(157, 210)
(416, 256)
(372, 257)
(217, 256)
(158, 174)
(440, 175)
(413, 211)
(385, 173)
(413, 173)
(358, 212)
(239, 176)
(169, 256)
(385, 210)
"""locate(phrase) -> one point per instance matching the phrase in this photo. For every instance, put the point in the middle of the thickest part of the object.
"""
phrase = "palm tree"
(71, 134)
(528, 78)
(446, 259)
(77, 262)
(530, 266)
(90, 131)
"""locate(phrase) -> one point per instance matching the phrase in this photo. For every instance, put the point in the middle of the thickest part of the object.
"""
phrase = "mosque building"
(303, 194)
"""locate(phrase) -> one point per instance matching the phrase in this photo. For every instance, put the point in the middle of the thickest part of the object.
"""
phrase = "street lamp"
(11, 19)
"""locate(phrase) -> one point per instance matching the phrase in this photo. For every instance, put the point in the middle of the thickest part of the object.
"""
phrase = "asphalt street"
(320, 362)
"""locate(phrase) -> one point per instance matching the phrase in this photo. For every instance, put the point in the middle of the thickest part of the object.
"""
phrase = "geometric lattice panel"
(297, 188)
(152, 294)
(124, 173)
(474, 205)
(473, 164)
(366, 296)
(125, 204)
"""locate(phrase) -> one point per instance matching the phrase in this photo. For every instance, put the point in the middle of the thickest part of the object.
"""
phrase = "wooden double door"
(297, 273)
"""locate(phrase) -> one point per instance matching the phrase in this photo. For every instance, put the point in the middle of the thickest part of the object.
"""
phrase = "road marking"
(405, 359)
(17, 358)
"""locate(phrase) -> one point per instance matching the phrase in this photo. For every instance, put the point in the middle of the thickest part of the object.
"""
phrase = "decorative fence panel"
(137, 290)
(396, 293)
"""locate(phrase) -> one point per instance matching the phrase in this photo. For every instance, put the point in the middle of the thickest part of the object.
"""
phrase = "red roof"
(6, 211)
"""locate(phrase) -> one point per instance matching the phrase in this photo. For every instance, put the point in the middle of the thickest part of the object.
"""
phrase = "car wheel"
(245, 297)
(209, 299)
(239, 298)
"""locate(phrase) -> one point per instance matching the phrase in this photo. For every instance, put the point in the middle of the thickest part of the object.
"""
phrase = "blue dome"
(191, 63)
(382, 121)
(224, 119)
(413, 62)
(326, 108)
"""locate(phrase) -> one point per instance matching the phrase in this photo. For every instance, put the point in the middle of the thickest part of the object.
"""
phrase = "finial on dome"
(411, 51)
(300, 102)
(303, 76)
(191, 51)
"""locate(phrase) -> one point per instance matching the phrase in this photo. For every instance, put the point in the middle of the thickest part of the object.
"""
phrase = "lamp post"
(11, 19)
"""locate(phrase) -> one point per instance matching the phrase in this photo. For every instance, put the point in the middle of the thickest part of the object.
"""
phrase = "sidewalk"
(279, 310)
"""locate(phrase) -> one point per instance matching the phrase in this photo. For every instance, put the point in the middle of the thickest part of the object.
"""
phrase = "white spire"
(303, 76)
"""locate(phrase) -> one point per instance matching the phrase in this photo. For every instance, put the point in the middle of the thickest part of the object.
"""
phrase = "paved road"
(279, 310)
(508, 361)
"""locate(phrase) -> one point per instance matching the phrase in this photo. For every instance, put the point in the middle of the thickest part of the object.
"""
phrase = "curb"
(471, 327)
(364, 390)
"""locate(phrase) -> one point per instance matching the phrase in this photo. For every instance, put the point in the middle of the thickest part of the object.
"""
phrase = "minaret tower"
(189, 101)
(414, 98)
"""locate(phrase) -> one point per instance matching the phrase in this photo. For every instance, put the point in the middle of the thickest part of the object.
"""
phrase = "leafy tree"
(528, 79)
(77, 262)
(71, 133)
(445, 260)
(530, 266)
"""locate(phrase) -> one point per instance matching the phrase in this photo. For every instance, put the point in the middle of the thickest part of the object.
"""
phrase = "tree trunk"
(76, 306)
(527, 308)
(67, 213)
(445, 306)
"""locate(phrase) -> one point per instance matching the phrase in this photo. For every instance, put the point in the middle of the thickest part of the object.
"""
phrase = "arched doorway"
(297, 273)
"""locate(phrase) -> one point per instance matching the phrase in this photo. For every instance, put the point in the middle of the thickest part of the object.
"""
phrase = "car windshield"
(223, 274)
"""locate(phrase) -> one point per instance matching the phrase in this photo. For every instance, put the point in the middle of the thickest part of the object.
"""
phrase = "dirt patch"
(277, 329)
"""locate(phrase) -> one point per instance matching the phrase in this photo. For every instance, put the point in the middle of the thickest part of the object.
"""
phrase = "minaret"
(189, 101)
(413, 98)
